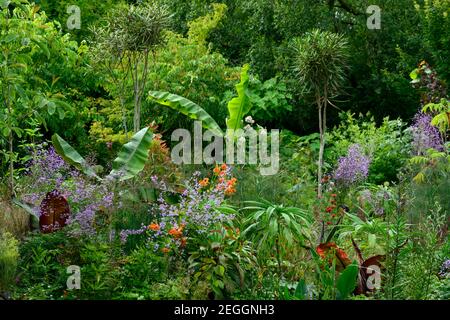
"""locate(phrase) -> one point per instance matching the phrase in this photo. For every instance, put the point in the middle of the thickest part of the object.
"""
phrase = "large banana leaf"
(239, 106)
(347, 281)
(133, 155)
(186, 107)
(71, 156)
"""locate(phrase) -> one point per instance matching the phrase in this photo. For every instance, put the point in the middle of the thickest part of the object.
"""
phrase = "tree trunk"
(322, 129)
(137, 107)
(321, 149)
(11, 164)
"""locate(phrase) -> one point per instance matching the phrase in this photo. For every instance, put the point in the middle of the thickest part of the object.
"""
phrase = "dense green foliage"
(357, 208)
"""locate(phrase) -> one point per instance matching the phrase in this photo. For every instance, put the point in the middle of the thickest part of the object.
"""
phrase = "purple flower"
(352, 168)
(445, 268)
(48, 171)
(425, 136)
(125, 233)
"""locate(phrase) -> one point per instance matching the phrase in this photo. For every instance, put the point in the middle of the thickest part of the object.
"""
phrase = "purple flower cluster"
(445, 268)
(376, 200)
(197, 211)
(197, 207)
(352, 168)
(425, 136)
(48, 171)
(125, 233)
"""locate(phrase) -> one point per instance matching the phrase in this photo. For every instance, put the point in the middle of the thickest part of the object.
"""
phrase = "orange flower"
(204, 182)
(231, 182)
(223, 166)
(154, 227)
(334, 195)
(165, 250)
(230, 190)
(176, 233)
(216, 170)
(183, 242)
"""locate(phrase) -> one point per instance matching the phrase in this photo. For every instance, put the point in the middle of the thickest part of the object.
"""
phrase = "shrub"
(9, 256)
(387, 145)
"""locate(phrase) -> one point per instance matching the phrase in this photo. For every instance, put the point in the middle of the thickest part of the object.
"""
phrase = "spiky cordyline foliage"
(135, 28)
(320, 61)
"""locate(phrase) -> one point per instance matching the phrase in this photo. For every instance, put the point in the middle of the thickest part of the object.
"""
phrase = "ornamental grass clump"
(9, 255)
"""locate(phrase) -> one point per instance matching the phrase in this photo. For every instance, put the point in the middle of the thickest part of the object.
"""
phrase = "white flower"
(249, 120)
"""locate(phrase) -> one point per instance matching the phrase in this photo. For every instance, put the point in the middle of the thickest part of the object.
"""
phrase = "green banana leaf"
(186, 107)
(347, 281)
(133, 155)
(71, 156)
(239, 106)
(29, 210)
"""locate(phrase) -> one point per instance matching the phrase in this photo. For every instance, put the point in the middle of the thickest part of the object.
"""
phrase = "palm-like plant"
(271, 226)
(131, 34)
(320, 63)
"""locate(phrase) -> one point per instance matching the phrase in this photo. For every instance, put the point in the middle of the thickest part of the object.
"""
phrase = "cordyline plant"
(320, 63)
(126, 43)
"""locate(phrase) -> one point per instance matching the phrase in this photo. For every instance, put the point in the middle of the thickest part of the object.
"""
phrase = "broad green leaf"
(4, 3)
(6, 131)
(43, 47)
(29, 210)
(347, 281)
(239, 106)
(133, 155)
(413, 75)
(301, 291)
(186, 107)
(71, 156)
(51, 108)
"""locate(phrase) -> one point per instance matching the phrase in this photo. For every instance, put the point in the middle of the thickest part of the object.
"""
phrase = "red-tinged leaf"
(329, 251)
(54, 212)
(367, 269)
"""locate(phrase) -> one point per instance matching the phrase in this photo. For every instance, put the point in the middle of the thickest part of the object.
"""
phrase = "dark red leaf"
(54, 212)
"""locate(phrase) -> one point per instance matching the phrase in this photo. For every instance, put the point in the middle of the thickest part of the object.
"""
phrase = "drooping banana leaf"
(71, 156)
(33, 215)
(133, 155)
(239, 106)
(186, 107)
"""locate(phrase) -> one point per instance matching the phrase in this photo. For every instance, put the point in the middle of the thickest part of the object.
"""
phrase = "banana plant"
(186, 107)
(130, 161)
(238, 107)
